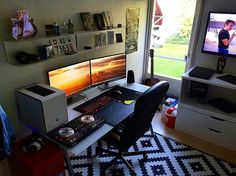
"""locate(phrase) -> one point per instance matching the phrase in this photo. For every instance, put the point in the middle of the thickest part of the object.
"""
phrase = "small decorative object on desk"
(70, 27)
(22, 25)
(62, 45)
(221, 64)
(87, 21)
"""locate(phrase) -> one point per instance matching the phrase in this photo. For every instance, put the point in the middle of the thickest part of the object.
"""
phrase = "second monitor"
(106, 69)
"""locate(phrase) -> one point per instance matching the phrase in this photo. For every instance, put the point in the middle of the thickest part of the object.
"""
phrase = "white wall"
(209, 60)
(43, 11)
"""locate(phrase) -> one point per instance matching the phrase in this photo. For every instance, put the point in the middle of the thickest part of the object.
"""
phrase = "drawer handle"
(215, 130)
(216, 118)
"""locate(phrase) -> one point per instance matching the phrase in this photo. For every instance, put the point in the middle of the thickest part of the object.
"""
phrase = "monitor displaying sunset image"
(71, 79)
(108, 68)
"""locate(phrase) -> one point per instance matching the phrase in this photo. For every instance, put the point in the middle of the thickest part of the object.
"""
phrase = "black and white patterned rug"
(165, 157)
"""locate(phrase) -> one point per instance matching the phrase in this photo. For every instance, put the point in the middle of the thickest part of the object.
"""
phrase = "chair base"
(121, 155)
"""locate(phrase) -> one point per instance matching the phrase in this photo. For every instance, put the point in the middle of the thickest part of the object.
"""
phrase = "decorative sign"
(62, 45)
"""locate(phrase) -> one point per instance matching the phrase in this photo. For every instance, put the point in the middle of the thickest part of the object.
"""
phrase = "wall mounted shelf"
(79, 40)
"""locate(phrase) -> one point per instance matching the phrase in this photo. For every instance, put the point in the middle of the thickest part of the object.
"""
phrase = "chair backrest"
(145, 108)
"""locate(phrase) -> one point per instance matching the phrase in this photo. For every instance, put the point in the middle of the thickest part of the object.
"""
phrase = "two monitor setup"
(78, 77)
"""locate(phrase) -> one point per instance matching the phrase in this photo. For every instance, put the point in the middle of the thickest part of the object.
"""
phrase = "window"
(172, 24)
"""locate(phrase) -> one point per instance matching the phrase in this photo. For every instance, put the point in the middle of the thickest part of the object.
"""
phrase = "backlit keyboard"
(94, 105)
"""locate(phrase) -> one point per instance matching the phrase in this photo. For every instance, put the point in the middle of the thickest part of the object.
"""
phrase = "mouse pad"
(116, 112)
(126, 94)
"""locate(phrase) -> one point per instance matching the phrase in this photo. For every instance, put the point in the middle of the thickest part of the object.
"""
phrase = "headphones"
(33, 145)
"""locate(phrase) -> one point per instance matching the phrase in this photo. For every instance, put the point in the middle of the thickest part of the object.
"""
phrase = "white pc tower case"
(42, 108)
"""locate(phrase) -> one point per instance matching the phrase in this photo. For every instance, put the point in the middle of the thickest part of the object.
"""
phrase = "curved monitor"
(108, 68)
(219, 36)
(71, 79)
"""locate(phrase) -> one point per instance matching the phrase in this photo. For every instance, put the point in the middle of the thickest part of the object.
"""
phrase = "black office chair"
(138, 124)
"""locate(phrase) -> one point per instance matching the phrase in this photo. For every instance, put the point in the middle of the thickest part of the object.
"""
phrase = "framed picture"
(87, 20)
(97, 40)
(99, 21)
(110, 37)
(119, 38)
(103, 38)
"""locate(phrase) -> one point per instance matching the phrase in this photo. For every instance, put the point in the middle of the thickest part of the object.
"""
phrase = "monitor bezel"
(206, 27)
(78, 91)
(112, 79)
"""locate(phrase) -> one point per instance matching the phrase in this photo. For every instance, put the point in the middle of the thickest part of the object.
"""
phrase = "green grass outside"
(168, 67)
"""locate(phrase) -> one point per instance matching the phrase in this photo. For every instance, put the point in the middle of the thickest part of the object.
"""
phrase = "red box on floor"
(49, 161)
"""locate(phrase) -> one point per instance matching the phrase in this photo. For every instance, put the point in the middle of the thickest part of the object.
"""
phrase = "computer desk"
(96, 135)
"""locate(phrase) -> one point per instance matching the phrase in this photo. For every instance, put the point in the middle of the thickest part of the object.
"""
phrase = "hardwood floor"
(204, 146)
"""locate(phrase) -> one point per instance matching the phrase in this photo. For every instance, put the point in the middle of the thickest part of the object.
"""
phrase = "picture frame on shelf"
(119, 38)
(103, 38)
(97, 40)
(88, 21)
(110, 37)
(99, 21)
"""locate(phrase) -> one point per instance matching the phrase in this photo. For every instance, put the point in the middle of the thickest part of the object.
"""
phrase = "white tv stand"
(203, 120)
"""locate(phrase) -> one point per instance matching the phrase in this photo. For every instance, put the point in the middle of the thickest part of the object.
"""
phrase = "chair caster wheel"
(145, 156)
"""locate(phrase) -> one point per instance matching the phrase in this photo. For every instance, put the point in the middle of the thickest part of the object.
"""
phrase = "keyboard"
(81, 131)
(94, 105)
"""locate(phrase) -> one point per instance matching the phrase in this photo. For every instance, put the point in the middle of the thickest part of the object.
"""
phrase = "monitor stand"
(107, 86)
(75, 98)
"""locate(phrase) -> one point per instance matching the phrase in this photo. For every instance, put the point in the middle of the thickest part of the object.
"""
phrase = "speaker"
(42, 108)
(33, 145)
(130, 77)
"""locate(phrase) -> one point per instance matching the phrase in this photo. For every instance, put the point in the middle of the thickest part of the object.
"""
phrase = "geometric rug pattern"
(165, 157)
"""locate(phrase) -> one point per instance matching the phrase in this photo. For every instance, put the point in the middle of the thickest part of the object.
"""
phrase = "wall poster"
(132, 29)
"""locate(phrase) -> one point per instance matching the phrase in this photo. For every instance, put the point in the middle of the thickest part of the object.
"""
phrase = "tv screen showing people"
(71, 79)
(108, 68)
(220, 34)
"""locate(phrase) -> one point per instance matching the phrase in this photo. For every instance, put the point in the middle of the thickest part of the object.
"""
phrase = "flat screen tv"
(72, 78)
(109, 68)
(219, 35)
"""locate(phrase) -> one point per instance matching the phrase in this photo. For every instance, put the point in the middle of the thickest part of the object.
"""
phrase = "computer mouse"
(116, 93)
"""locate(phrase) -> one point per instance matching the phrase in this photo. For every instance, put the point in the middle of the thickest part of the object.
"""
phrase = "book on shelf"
(105, 20)
(99, 21)
(88, 21)
(109, 18)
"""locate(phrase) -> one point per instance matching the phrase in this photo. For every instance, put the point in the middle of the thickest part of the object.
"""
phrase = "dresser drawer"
(189, 121)
(212, 129)
(220, 124)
